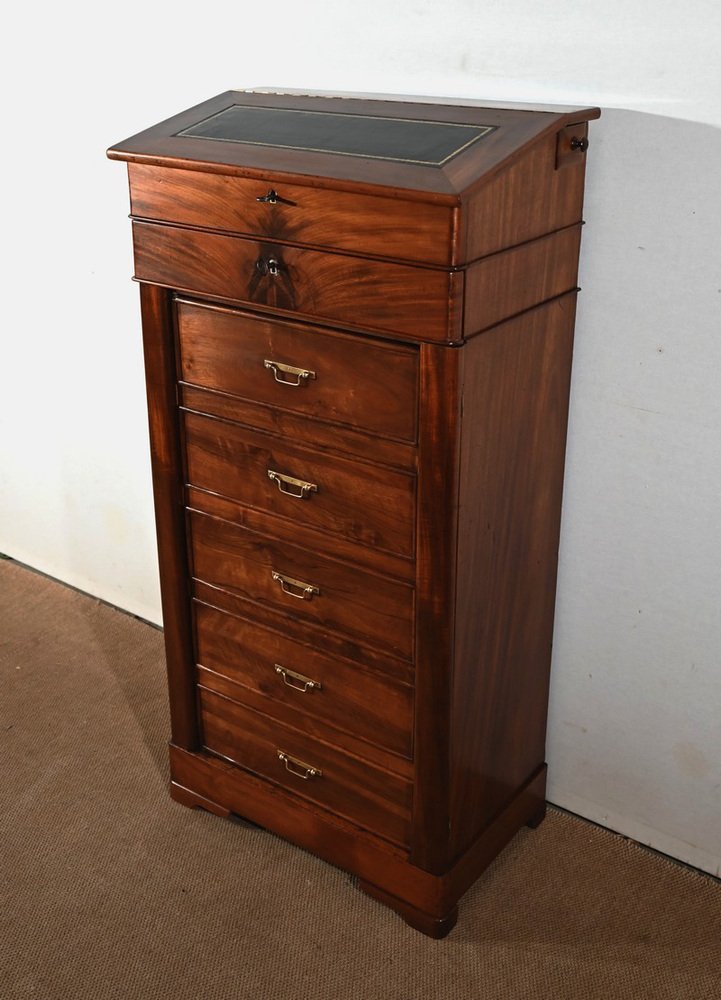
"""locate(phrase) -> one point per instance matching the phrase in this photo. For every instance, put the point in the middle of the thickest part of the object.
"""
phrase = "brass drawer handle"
(306, 770)
(302, 375)
(291, 587)
(292, 487)
(304, 683)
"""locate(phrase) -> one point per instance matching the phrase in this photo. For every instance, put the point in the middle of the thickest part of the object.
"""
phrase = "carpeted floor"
(108, 889)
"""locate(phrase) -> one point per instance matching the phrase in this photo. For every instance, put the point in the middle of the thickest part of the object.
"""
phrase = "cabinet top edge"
(583, 112)
(419, 147)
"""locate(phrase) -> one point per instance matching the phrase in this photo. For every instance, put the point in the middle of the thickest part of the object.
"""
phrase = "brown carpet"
(108, 889)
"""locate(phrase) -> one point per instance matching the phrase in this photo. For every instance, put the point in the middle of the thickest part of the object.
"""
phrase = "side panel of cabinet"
(515, 408)
(165, 452)
(524, 201)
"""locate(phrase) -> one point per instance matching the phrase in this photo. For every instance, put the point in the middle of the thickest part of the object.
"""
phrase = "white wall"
(635, 739)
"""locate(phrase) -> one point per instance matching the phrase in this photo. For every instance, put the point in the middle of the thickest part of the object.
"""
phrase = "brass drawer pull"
(292, 487)
(302, 375)
(304, 683)
(306, 770)
(291, 587)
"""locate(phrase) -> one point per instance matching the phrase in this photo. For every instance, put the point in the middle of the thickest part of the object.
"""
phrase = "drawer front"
(364, 503)
(395, 299)
(354, 381)
(365, 224)
(300, 684)
(375, 799)
(300, 583)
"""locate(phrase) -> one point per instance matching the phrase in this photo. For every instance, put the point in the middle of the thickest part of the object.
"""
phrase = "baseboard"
(673, 847)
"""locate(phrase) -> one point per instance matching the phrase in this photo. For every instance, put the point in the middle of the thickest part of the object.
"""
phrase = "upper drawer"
(365, 224)
(399, 300)
(356, 381)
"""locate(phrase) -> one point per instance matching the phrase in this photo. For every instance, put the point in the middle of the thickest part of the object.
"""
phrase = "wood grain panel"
(511, 479)
(351, 601)
(378, 800)
(378, 227)
(385, 563)
(509, 282)
(524, 200)
(396, 299)
(347, 697)
(308, 632)
(321, 436)
(366, 504)
(367, 384)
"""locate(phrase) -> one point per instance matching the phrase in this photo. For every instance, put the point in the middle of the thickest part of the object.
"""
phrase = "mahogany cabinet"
(358, 324)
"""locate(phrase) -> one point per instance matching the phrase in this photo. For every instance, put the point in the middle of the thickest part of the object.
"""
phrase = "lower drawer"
(299, 583)
(375, 799)
(300, 684)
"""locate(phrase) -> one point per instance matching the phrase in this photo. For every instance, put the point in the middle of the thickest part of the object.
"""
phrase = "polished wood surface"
(436, 532)
(354, 648)
(264, 523)
(516, 380)
(348, 600)
(226, 350)
(397, 298)
(528, 200)
(362, 502)
(344, 695)
(322, 435)
(352, 788)
(511, 281)
(358, 395)
(302, 214)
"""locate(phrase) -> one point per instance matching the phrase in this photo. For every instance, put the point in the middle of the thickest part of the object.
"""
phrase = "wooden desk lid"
(438, 151)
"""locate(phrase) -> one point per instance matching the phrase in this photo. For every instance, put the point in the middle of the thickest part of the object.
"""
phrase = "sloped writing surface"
(430, 143)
